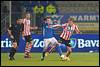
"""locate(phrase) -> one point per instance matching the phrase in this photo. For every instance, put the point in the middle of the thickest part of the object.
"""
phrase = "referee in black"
(14, 32)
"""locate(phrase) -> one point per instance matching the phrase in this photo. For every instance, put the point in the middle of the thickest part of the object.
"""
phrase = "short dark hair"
(48, 17)
(71, 18)
(27, 12)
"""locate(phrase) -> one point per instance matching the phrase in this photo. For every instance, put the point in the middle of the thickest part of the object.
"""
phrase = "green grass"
(77, 59)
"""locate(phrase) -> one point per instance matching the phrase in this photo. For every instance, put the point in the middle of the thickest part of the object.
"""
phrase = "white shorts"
(50, 42)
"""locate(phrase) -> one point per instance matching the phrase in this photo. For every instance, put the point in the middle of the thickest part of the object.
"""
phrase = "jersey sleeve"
(77, 29)
(23, 21)
(22, 27)
(63, 25)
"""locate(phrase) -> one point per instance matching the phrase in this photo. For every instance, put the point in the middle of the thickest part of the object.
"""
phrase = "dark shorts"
(66, 42)
(28, 38)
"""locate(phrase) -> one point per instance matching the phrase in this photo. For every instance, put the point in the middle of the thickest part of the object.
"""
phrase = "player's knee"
(14, 45)
(32, 42)
(27, 44)
(69, 49)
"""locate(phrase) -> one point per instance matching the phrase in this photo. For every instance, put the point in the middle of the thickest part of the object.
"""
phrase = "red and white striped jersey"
(26, 31)
(68, 31)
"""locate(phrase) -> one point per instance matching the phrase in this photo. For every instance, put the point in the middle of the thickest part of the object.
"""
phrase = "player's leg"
(68, 53)
(69, 50)
(15, 43)
(56, 44)
(13, 51)
(28, 47)
(46, 44)
(58, 49)
(26, 50)
(53, 44)
(51, 49)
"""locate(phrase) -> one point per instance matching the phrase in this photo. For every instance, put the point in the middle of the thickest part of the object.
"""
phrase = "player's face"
(49, 21)
(70, 22)
(28, 16)
(19, 21)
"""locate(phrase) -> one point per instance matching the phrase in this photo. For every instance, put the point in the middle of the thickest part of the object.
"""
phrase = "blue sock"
(58, 49)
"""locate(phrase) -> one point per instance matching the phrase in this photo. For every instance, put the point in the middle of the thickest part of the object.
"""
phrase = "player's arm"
(77, 30)
(35, 27)
(9, 32)
(23, 35)
(59, 25)
(56, 26)
(32, 27)
(22, 30)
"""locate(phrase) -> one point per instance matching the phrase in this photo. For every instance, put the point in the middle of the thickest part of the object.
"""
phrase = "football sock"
(26, 51)
(43, 55)
(68, 51)
(51, 49)
(29, 47)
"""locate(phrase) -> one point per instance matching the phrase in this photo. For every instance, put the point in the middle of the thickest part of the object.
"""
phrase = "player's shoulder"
(24, 19)
(45, 24)
(75, 25)
(64, 24)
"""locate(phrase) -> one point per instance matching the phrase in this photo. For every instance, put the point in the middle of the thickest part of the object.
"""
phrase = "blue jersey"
(48, 31)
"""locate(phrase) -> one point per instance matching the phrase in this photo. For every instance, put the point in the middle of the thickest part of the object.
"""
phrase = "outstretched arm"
(58, 25)
(34, 27)
(77, 30)
(9, 32)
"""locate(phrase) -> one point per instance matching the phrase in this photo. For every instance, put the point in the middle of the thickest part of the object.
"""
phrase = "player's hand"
(59, 43)
(23, 38)
(36, 27)
(12, 37)
(80, 32)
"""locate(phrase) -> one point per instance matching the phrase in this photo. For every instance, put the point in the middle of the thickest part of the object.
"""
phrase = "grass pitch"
(77, 59)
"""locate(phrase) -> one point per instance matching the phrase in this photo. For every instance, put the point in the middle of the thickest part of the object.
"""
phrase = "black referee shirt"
(16, 29)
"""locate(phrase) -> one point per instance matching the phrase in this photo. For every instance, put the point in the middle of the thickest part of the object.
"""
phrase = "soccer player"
(49, 39)
(68, 29)
(14, 31)
(27, 35)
